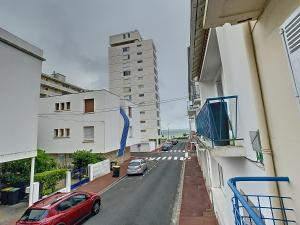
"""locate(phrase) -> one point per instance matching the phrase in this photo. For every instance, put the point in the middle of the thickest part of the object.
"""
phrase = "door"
(66, 213)
(82, 205)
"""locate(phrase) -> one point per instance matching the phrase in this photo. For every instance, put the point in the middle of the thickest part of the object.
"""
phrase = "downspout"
(261, 115)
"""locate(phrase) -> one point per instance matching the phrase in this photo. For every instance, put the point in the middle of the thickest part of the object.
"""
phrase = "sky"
(74, 35)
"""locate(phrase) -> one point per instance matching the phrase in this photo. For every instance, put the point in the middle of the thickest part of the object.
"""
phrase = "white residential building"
(56, 84)
(254, 60)
(133, 76)
(20, 71)
(89, 120)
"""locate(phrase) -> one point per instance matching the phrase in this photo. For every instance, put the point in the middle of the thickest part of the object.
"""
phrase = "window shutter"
(88, 133)
(291, 36)
(89, 105)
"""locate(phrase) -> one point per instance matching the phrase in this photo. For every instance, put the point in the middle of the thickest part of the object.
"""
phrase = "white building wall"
(19, 93)
(107, 121)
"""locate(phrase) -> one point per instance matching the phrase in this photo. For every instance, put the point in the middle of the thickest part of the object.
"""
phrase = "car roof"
(51, 200)
(136, 160)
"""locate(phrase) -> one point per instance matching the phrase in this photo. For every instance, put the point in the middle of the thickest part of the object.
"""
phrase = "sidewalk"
(100, 184)
(195, 205)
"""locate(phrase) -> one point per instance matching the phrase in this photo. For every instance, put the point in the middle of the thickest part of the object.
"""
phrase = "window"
(157, 97)
(128, 35)
(130, 132)
(141, 86)
(140, 78)
(78, 199)
(126, 73)
(126, 57)
(139, 61)
(157, 113)
(139, 45)
(158, 123)
(124, 36)
(62, 106)
(88, 105)
(88, 133)
(142, 112)
(143, 131)
(141, 95)
(68, 105)
(55, 132)
(56, 106)
(61, 132)
(67, 132)
(128, 97)
(221, 176)
(127, 89)
(291, 38)
(34, 214)
(140, 69)
(142, 121)
(65, 205)
(139, 53)
(125, 49)
(130, 111)
(158, 131)
(157, 105)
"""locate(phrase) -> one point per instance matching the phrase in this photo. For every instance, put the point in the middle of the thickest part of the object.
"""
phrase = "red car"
(62, 209)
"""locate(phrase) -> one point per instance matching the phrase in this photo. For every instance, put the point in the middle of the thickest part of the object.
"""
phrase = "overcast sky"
(74, 35)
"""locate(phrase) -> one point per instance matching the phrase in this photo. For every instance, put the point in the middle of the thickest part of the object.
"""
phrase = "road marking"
(170, 157)
(158, 158)
(151, 159)
(181, 158)
(171, 151)
(186, 155)
(179, 150)
(183, 151)
(175, 150)
(164, 158)
(175, 158)
(147, 158)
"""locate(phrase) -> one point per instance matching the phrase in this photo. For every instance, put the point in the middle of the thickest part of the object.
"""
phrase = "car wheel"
(96, 208)
(61, 224)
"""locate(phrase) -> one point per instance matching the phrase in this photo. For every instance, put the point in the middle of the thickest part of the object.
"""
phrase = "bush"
(49, 179)
(82, 158)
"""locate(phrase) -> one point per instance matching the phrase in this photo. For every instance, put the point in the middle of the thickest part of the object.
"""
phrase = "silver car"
(136, 166)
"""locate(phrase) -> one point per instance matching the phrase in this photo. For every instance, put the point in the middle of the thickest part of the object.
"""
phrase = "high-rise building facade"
(133, 76)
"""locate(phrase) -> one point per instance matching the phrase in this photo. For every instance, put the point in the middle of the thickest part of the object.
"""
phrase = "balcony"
(260, 209)
(217, 121)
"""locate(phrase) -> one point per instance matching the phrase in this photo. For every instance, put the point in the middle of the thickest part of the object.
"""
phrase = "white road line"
(183, 150)
(164, 158)
(175, 158)
(158, 158)
(170, 157)
(171, 151)
(181, 158)
(151, 159)
(186, 155)
(175, 150)
(147, 158)
(179, 150)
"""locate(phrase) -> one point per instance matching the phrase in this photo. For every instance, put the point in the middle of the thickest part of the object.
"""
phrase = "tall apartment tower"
(133, 76)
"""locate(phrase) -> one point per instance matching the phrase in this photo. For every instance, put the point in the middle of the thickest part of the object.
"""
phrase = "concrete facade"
(20, 70)
(63, 131)
(55, 84)
(254, 66)
(133, 76)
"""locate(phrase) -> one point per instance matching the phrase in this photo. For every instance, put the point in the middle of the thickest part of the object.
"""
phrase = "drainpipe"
(261, 114)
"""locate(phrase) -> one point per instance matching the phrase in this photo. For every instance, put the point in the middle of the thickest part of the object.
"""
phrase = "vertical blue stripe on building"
(124, 133)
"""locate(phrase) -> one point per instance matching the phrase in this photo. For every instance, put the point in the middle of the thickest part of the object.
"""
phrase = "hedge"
(49, 179)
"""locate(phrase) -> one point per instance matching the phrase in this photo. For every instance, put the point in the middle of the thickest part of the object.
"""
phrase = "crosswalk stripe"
(164, 158)
(170, 157)
(171, 151)
(147, 158)
(186, 155)
(175, 158)
(181, 158)
(175, 150)
(151, 159)
(158, 158)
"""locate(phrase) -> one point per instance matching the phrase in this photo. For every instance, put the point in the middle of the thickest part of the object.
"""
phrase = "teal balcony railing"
(217, 120)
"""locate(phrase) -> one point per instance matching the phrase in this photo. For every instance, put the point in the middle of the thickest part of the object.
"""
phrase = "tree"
(44, 162)
(82, 158)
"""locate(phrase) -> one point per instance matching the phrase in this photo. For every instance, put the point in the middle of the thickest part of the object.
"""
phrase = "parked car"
(136, 166)
(166, 146)
(62, 209)
(174, 142)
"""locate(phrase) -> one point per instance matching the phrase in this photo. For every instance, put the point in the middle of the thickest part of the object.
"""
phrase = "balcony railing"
(217, 120)
(260, 209)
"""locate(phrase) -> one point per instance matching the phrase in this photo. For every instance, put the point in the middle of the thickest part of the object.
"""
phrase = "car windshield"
(34, 214)
(134, 164)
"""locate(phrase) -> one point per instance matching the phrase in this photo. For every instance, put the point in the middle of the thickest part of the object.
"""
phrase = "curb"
(177, 205)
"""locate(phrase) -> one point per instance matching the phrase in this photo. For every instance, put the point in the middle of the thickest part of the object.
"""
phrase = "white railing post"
(91, 172)
(68, 181)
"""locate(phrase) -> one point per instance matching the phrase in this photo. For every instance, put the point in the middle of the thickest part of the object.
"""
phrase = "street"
(147, 199)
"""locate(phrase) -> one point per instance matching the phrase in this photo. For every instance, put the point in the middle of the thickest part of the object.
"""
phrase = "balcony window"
(67, 132)
(125, 49)
(126, 73)
(62, 106)
(56, 106)
(68, 105)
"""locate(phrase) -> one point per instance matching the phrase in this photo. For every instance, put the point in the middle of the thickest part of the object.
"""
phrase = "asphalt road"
(143, 200)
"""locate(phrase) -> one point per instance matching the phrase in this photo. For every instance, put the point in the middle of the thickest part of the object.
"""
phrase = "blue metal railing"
(79, 177)
(259, 209)
(124, 133)
(214, 121)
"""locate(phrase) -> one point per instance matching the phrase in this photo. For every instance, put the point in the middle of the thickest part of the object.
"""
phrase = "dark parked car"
(174, 142)
(166, 146)
(62, 209)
